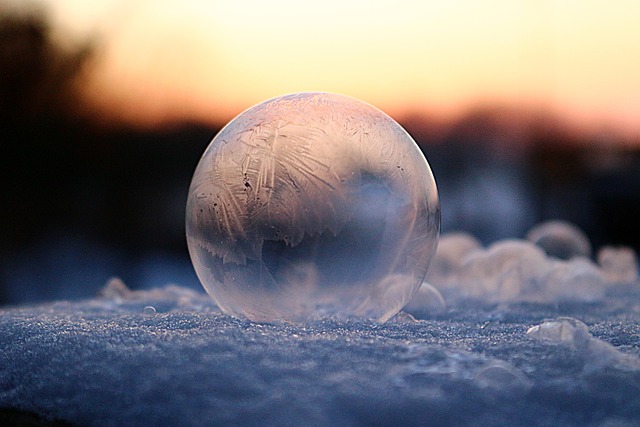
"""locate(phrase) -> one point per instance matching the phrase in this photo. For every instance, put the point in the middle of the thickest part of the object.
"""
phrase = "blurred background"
(526, 111)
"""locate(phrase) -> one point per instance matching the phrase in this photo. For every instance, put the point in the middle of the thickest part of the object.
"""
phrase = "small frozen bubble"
(619, 265)
(509, 270)
(520, 271)
(426, 303)
(577, 279)
(149, 311)
(502, 376)
(403, 317)
(312, 205)
(560, 239)
(452, 249)
(115, 289)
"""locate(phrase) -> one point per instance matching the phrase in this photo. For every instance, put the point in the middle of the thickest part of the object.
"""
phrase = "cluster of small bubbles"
(521, 271)
(508, 270)
(312, 205)
(560, 239)
(618, 264)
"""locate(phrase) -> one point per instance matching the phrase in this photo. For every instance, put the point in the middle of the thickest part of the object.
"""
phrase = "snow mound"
(597, 354)
(111, 360)
(517, 271)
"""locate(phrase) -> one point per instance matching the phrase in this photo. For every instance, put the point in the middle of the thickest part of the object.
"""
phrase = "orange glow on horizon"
(210, 60)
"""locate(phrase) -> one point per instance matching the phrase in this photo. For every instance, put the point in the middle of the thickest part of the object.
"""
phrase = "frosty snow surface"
(169, 356)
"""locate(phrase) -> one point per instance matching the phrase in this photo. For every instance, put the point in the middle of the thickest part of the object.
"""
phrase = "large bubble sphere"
(312, 205)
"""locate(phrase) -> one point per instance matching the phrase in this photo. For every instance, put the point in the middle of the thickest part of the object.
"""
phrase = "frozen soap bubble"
(453, 248)
(507, 271)
(560, 239)
(577, 279)
(311, 205)
(619, 264)
(426, 303)
(149, 310)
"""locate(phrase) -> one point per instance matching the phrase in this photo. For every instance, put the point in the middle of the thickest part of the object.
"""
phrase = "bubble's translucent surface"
(502, 376)
(509, 270)
(453, 248)
(312, 205)
(426, 303)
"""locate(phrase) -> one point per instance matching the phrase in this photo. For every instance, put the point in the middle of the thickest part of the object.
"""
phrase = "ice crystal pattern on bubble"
(312, 205)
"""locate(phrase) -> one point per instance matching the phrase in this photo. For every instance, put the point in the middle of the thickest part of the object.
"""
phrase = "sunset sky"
(208, 60)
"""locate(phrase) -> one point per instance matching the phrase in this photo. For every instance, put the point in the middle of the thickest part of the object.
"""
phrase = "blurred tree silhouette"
(37, 76)
(39, 92)
(68, 179)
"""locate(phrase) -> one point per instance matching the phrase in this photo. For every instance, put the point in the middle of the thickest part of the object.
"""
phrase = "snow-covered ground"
(504, 335)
